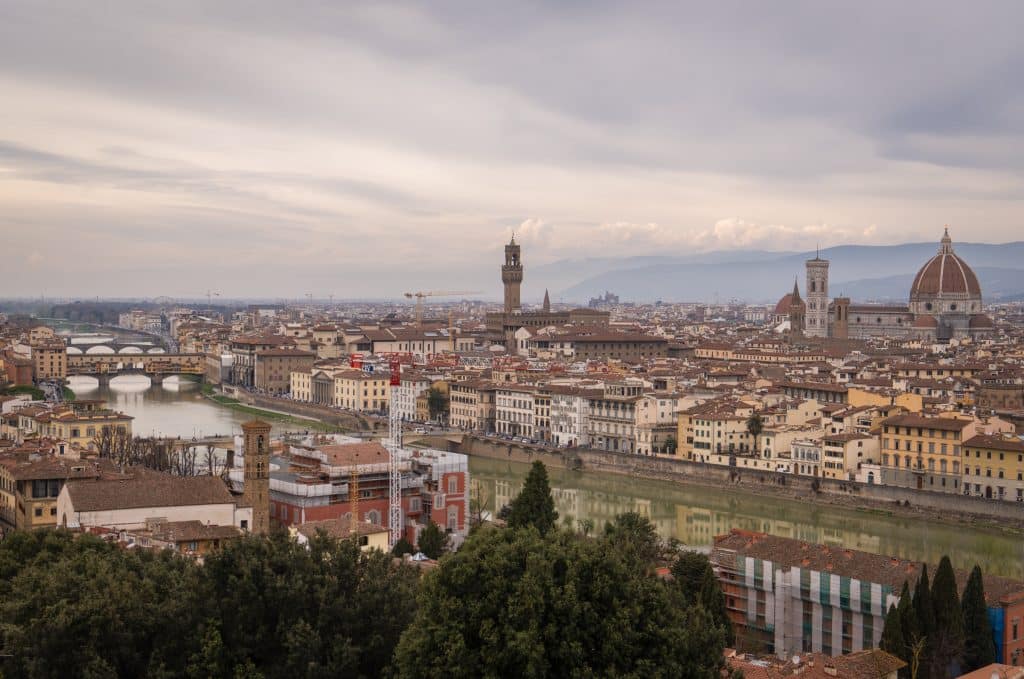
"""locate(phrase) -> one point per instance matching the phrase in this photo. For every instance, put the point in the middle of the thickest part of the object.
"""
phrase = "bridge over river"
(154, 366)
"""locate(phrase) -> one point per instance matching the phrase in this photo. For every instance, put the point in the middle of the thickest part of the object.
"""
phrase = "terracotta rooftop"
(347, 454)
(147, 489)
(911, 420)
(193, 531)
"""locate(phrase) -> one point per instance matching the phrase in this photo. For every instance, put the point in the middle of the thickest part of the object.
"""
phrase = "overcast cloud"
(361, 149)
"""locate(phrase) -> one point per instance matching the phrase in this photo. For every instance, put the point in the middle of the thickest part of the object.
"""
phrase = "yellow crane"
(434, 293)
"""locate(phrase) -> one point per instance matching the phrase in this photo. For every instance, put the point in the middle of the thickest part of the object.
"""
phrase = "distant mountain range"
(862, 272)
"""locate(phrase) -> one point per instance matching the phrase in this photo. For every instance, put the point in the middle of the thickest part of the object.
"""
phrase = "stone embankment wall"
(353, 421)
(902, 501)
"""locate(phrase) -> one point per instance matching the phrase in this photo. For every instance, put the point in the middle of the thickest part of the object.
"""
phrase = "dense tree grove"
(263, 607)
(936, 632)
(516, 603)
(533, 600)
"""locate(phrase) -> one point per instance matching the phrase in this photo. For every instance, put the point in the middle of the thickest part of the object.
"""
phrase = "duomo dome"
(945, 284)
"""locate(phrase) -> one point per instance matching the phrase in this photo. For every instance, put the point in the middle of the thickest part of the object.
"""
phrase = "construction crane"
(434, 293)
(395, 527)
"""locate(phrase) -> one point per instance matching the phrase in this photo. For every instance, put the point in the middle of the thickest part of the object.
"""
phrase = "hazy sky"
(278, 148)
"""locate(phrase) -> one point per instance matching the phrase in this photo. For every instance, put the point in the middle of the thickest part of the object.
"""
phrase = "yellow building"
(994, 467)
(371, 535)
(49, 360)
(361, 391)
(924, 452)
(843, 454)
(29, 488)
(79, 423)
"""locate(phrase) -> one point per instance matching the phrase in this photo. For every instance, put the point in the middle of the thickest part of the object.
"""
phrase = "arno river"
(691, 514)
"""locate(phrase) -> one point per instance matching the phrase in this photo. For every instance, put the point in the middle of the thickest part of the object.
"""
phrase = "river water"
(691, 514)
(175, 408)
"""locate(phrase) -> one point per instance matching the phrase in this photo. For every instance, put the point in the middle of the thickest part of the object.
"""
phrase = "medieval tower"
(256, 491)
(512, 276)
(817, 298)
(797, 313)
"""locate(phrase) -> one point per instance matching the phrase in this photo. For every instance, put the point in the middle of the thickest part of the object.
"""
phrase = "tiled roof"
(190, 531)
(147, 489)
(347, 454)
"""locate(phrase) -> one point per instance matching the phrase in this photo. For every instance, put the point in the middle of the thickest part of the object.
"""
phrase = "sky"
(275, 149)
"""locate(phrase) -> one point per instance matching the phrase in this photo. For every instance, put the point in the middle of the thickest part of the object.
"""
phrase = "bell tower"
(512, 276)
(256, 491)
(816, 321)
(797, 313)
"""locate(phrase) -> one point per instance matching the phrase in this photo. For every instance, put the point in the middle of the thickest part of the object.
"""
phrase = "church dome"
(945, 275)
(782, 308)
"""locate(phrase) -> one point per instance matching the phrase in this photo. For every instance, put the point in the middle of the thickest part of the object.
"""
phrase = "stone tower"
(797, 312)
(547, 301)
(512, 276)
(841, 324)
(817, 297)
(256, 492)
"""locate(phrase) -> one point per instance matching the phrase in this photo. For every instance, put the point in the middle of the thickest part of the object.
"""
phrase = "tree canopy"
(433, 542)
(534, 505)
(268, 607)
(518, 603)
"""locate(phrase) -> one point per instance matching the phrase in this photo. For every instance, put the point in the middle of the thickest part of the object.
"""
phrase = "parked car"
(420, 430)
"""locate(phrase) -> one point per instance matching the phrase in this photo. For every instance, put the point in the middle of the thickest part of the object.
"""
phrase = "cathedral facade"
(945, 303)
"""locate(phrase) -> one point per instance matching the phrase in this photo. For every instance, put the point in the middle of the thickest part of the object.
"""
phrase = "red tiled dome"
(945, 273)
(782, 308)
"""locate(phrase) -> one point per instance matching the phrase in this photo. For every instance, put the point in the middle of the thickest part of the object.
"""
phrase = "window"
(453, 485)
(39, 511)
(439, 501)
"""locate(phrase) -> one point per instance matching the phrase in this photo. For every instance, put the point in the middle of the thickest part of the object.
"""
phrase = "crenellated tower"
(512, 276)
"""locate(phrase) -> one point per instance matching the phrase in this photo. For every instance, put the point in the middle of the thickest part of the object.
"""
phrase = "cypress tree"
(925, 614)
(979, 644)
(908, 625)
(534, 505)
(892, 634)
(694, 578)
(948, 648)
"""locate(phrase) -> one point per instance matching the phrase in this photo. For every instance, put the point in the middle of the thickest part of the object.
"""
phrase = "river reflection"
(175, 408)
(693, 515)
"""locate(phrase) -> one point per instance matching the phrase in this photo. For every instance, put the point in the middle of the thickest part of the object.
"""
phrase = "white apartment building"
(656, 421)
(570, 408)
(612, 416)
(514, 410)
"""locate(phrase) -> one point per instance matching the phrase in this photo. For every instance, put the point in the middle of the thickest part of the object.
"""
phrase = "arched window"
(373, 516)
